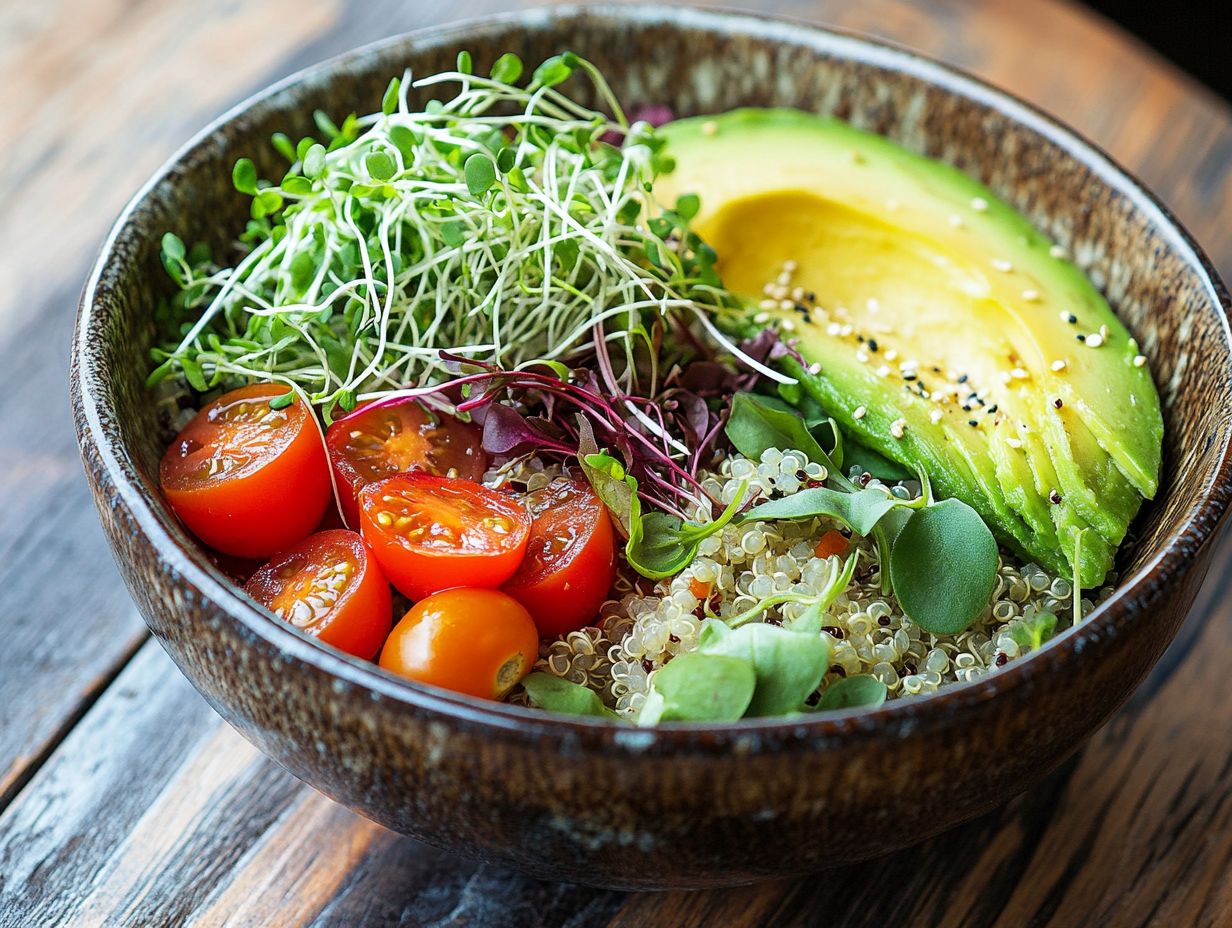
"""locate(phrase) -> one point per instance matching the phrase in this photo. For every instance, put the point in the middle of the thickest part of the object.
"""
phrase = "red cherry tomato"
(246, 479)
(480, 642)
(379, 441)
(570, 561)
(435, 533)
(329, 586)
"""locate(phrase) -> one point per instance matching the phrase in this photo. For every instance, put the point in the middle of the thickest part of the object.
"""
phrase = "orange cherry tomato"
(248, 480)
(480, 642)
(435, 533)
(329, 586)
(832, 544)
(379, 441)
(570, 561)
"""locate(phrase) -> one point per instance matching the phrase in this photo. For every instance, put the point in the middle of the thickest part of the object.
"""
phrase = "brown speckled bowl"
(676, 806)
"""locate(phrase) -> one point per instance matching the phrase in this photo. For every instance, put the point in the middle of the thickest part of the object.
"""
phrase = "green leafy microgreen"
(757, 423)
(465, 65)
(853, 692)
(1031, 632)
(314, 161)
(389, 102)
(859, 511)
(480, 174)
(507, 69)
(380, 165)
(552, 72)
(696, 687)
(943, 566)
(244, 176)
(616, 489)
(283, 400)
(788, 664)
(550, 692)
(665, 544)
(284, 146)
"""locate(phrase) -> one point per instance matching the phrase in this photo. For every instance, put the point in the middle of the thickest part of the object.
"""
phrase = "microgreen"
(697, 687)
(788, 664)
(943, 567)
(550, 692)
(859, 511)
(853, 692)
(757, 423)
(1031, 632)
(665, 544)
(506, 239)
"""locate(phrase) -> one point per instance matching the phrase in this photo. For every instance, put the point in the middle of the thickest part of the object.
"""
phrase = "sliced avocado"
(929, 294)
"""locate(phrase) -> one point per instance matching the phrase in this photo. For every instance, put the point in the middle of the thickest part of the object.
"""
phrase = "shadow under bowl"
(678, 806)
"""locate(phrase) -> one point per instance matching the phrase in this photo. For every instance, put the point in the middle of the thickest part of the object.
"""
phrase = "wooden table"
(125, 800)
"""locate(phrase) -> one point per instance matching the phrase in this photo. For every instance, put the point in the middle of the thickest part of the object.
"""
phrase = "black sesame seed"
(992, 409)
(972, 422)
(1071, 319)
(936, 369)
(966, 407)
(860, 338)
(962, 379)
(1081, 338)
(872, 344)
(1002, 659)
(1057, 403)
(1054, 497)
(811, 296)
(909, 375)
(808, 318)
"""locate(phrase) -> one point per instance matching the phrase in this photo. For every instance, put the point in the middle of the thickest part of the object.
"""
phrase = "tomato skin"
(378, 441)
(570, 562)
(475, 641)
(361, 611)
(456, 532)
(272, 482)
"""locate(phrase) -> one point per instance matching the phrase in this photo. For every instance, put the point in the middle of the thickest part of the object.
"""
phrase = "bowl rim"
(1201, 522)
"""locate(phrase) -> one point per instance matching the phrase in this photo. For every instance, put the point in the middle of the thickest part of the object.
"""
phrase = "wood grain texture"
(143, 808)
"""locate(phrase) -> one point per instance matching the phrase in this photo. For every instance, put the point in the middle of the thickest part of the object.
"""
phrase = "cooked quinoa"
(645, 626)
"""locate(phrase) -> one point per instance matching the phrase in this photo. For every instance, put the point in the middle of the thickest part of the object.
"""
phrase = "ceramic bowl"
(677, 806)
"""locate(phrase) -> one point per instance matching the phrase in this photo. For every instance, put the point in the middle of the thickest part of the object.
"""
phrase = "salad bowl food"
(717, 792)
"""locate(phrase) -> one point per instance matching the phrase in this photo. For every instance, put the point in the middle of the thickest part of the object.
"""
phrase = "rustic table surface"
(125, 800)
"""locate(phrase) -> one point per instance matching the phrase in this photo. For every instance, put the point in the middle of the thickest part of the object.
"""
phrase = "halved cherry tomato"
(379, 441)
(247, 479)
(435, 533)
(329, 586)
(570, 561)
(480, 642)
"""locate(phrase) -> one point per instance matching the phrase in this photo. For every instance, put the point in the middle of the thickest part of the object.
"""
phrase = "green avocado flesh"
(929, 294)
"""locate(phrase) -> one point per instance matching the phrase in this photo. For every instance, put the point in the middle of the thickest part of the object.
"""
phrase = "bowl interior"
(698, 63)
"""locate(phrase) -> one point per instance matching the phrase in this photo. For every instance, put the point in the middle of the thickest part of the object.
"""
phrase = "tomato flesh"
(475, 641)
(379, 441)
(435, 533)
(328, 586)
(246, 479)
(570, 561)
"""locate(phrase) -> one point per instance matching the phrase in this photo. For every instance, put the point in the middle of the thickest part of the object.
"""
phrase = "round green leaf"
(480, 173)
(705, 688)
(943, 567)
(244, 176)
(853, 692)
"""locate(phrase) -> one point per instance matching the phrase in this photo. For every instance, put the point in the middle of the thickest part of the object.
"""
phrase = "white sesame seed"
(936, 396)
(833, 328)
(846, 330)
(891, 355)
(789, 266)
(859, 413)
(956, 220)
(1063, 315)
(862, 357)
(979, 204)
(935, 416)
(797, 294)
(1058, 252)
(788, 325)
(1140, 360)
(768, 304)
(1000, 264)
(1030, 295)
(1059, 365)
(814, 368)
(897, 427)
(1013, 442)
(783, 280)
(1094, 340)
(1005, 376)
(873, 305)
(883, 371)
(1019, 374)
(761, 318)
(1103, 332)
(710, 127)
(779, 292)
(786, 304)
